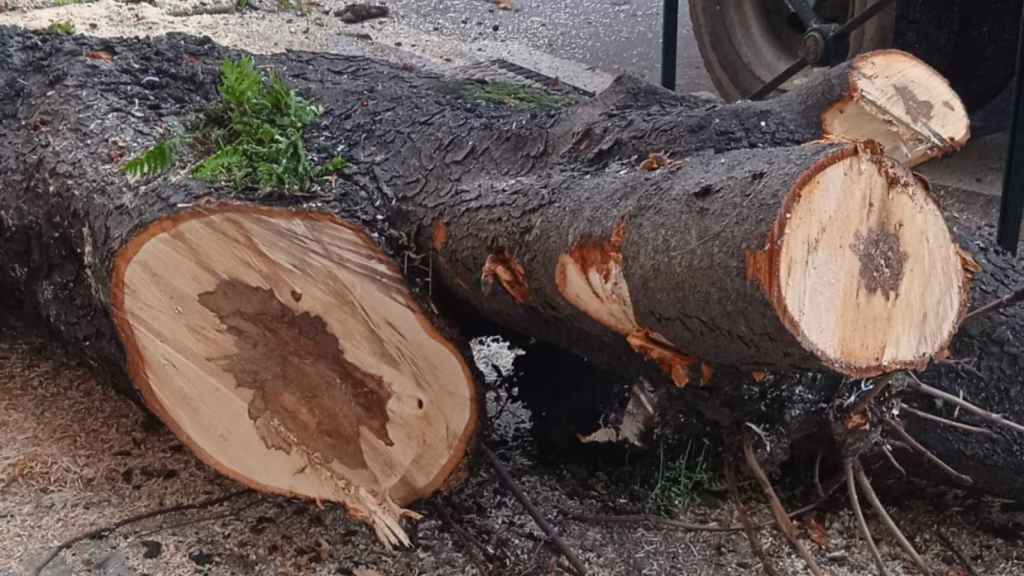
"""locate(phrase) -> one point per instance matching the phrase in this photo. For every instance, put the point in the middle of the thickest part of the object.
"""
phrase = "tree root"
(781, 517)
(859, 513)
(917, 446)
(977, 411)
(869, 493)
(952, 423)
(748, 526)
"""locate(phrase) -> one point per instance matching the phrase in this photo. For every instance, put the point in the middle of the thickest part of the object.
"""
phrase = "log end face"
(867, 275)
(285, 349)
(902, 103)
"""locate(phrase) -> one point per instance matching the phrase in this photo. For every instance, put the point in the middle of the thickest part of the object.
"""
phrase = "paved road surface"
(612, 35)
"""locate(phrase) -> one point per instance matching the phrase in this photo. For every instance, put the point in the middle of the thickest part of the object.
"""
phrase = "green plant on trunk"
(515, 95)
(252, 139)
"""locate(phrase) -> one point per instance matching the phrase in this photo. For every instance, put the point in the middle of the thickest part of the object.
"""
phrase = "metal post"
(669, 43)
(1012, 206)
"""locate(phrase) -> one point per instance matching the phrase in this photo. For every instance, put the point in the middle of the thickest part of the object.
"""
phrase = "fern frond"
(154, 161)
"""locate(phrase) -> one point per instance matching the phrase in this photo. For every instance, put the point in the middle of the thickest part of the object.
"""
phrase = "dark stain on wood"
(306, 391)
(918, 110)
(882, 260)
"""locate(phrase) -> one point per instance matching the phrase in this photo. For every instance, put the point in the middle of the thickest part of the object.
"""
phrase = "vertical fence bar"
(1012, 205)
(669, 43)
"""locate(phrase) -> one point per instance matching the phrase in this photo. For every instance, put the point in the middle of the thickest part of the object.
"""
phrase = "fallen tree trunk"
(737, 257)
(985, 365)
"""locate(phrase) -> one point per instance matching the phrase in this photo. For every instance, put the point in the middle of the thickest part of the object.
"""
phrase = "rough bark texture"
(436, 168)
(991, 346)
(486, 184)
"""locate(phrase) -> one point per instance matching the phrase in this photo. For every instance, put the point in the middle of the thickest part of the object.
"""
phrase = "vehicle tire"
(745, 43)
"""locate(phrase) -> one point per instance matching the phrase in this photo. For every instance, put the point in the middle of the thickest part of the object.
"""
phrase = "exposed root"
(748, 526)
(861, 523)
(892, 459)
(781, 517)
(914, 444)
(946, 422)
(936, 393)
(869, 493)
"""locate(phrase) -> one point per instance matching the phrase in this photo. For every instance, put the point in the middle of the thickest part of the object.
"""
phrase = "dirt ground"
(75, 456)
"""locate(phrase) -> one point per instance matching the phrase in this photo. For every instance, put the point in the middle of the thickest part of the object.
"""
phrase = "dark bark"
(987, 362)
(425, 150)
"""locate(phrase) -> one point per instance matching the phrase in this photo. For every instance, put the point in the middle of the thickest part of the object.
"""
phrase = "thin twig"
(785, 524)
(892, 459)
(477, 550)
(817, 474)
(748, 526)
(512, 487)
(941, 420)
(859, 513)
(651, 520)
(96, 532)
(209, 518)
(670, 524)
(869, 493)
(935, 392)
(956, 552)
(1004, 302)
(960, 366)
(913, 443)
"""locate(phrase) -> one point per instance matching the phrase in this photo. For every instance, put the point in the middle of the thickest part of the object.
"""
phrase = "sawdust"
(75, 456)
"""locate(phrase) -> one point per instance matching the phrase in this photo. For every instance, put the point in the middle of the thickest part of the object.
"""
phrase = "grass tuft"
(63, 27)
(680, 482)
(252, 139)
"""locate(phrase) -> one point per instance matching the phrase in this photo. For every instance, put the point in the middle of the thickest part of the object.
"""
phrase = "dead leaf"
(857, 421)
(655, 161)
(503, 4)
(100, 55)
(760, 376)
(816, 531)
(365, 572)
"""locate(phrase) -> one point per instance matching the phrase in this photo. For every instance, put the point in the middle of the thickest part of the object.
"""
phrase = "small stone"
(153, 549)
(200, 558)
(356, 13)
(495, 27)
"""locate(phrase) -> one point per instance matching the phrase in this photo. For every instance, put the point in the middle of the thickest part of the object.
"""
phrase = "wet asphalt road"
(611, 35)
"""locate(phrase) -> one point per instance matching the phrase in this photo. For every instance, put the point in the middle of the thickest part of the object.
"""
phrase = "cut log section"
(824, 255)
(888, 96)
(753, 250)
(285, 349)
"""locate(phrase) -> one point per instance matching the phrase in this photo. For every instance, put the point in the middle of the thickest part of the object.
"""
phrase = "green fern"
(253, 137)
(154, 161)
